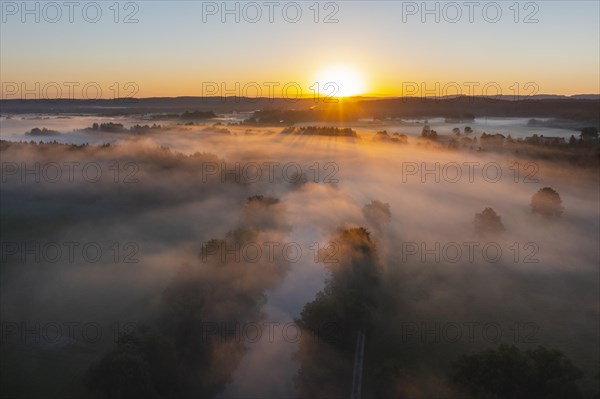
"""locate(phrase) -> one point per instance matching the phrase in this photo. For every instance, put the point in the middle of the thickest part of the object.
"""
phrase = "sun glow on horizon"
(340, 81)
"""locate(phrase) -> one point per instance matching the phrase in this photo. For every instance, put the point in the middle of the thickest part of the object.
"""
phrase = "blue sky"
(177, 46)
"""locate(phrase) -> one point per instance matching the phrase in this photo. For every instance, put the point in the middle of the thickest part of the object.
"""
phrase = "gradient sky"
(171, 51)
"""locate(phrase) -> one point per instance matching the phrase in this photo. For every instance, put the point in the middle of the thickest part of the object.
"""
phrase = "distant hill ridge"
(582, 106)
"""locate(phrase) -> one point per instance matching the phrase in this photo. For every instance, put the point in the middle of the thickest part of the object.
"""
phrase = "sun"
(339, 81)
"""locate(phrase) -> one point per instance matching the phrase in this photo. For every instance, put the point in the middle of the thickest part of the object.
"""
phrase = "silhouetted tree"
(590, 132)
(488, 222)
(347, 304)
(572, 141)
(182, 357)
(508, 372)
(400, 138)
(429, 133)
(547, 202)
(142, 364)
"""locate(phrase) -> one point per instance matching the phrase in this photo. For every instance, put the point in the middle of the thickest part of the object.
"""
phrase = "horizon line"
(358, 97)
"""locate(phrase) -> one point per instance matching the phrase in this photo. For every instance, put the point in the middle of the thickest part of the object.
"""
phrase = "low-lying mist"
(244, 263)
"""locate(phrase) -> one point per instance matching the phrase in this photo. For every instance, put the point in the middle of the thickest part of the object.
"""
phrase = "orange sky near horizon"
(393, 52)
